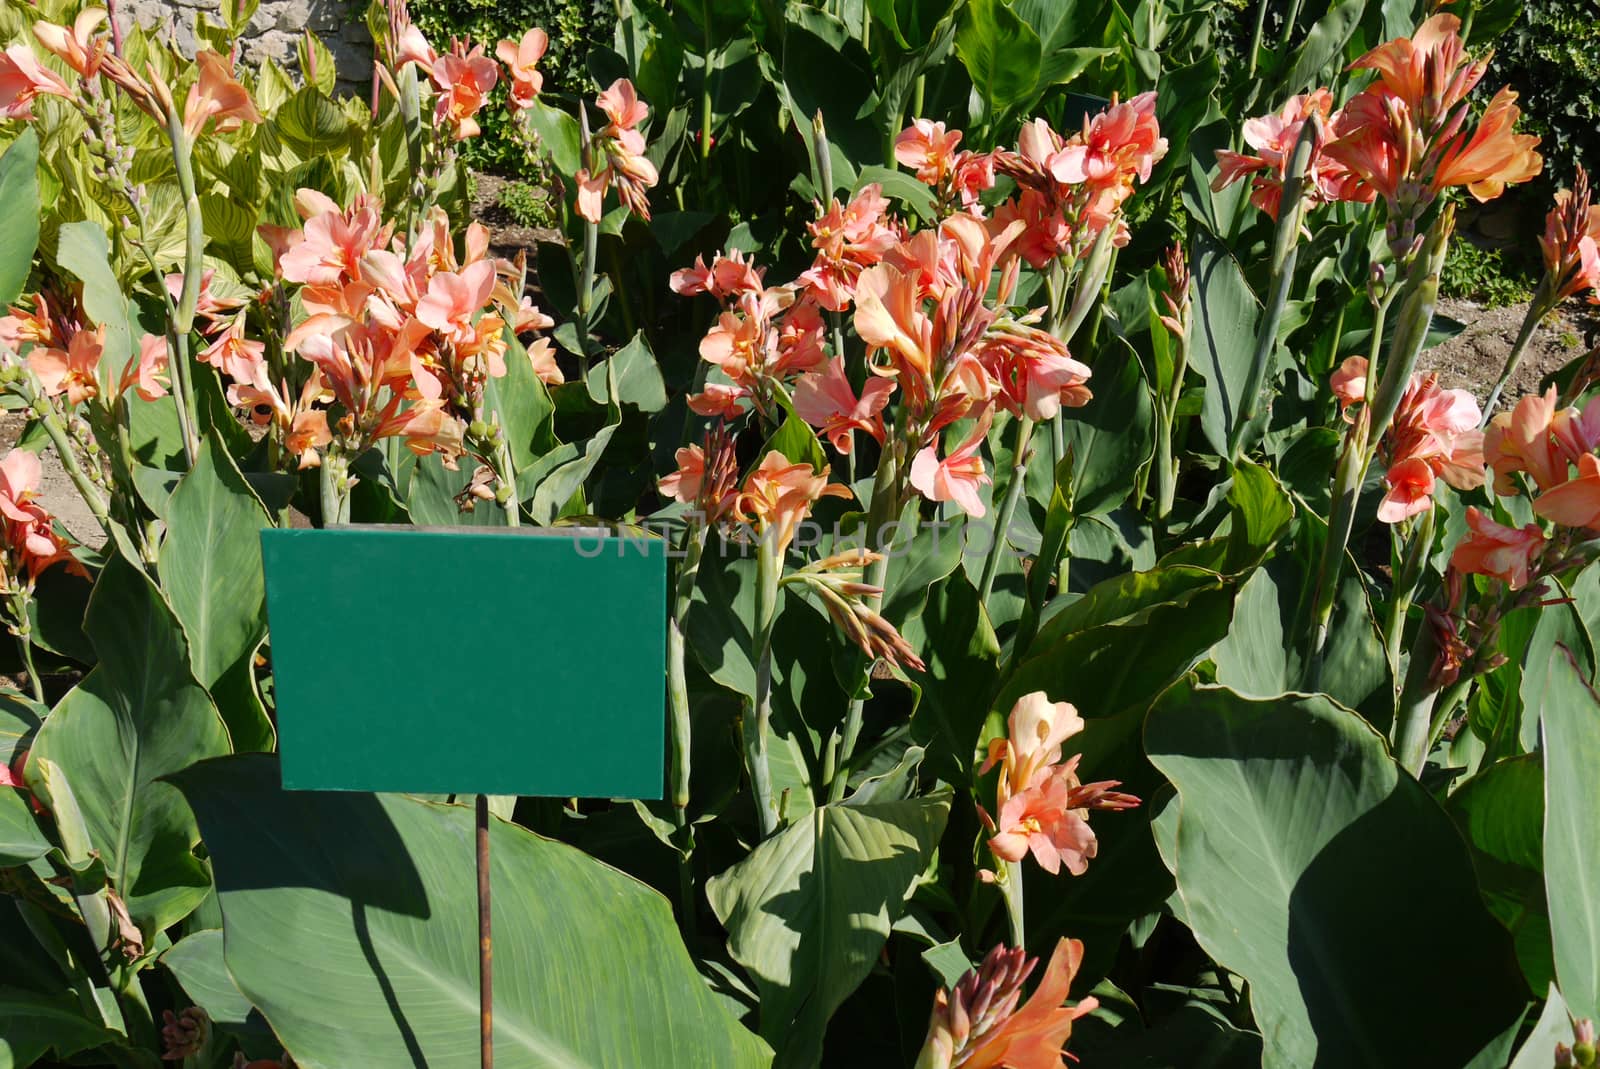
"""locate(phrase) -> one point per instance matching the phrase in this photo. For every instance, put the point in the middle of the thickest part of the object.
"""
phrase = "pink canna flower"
(22, 80)
(848, 238)
(928, 149)
(304, 428)
(1041, 822)
(729, 276)
(684, 484)
(413, 47)
(1571, 230)
(719, 399)
(464, 80)
(30, 536)
(454, 298)
(982, 1023)
(235, 355)
(777, 495)
(334, 242)
(145, 373)
(1274, 138)
(1410, 484)
(1035, 730)
(825, 400)
(77, 47)
(73, 372)
(1537, 438)
(959, 475)
(217, 96)
(1349, 382)
(522, 64)
(621, 104)
(542, 354)
(1576, 502)
(1492, 549)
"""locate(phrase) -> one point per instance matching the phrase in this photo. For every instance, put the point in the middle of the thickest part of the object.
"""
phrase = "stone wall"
(275, 29)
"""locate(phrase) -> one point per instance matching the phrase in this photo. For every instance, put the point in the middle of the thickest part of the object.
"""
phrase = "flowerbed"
(1088, 631)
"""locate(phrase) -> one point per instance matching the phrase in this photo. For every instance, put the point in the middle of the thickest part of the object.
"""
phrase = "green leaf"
(1111, 437)
(1571, 738)
(32, 1025)
(136, 717)
(1323, 46)
(638, 377)
(953, 636)
(83, 251)
(1223, 335)
(1311, 865)
(312, 124)
(718, 625)
(211, 571)
(19, 213)
(558, 487)
(367, 902)
(1001, 53)
(558, 133)
(1553, 1026)
(20, 838)
(197, 961)
(1558, 627)
(809, 910)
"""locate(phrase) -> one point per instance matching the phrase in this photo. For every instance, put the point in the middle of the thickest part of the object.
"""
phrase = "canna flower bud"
(983, 1022)
(183, 1034)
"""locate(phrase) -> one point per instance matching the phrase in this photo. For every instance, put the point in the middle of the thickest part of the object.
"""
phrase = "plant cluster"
(1089, 634)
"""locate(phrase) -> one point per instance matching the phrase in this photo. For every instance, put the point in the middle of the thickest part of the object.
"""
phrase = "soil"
(1473, 359)
(507, 236)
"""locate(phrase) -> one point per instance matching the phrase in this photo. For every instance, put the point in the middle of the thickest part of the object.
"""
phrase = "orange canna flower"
(217, 95)
(778, 495)
(927, 148)
(1536, 438)
(464, 80)
(1571, 230)
(522, 63)
(22, 80)
(76, 47)
(454, 298)
(1493, 157)
(982, 1023)
(29, 532)
(1426, 69)
(1490, 548)
(1576, 502)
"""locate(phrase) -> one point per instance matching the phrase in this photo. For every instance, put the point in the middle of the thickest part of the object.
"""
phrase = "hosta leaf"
(350, 922)
(1310, 864)
(809, 910)
(1571, 738)
(19, 213)
(138, 716)
(211, 571)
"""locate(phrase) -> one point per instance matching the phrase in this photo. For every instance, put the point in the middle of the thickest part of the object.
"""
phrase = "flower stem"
(24, 633)
(1002, 521)
(694, 540)
(189, 298)
(1011, 890)
(1418, 544)
(1285, 250)
(769, 566)
(1537, 309)
(1414, 717)
(51, 422)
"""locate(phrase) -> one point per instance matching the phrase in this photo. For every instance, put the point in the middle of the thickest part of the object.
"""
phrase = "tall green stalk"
(1021, 452)
(757, 728)
(189, 298)
(1285, 250)
(693, 545)
(1538, 308)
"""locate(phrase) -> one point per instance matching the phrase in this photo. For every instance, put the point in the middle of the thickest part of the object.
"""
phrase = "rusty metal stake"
(485, 944)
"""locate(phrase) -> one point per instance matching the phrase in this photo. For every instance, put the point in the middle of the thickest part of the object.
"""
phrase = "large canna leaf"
(84, 252)
(138, 716)
(1572, 832)
(19, 213)
(211, 571)
(350, 921)
(1310, 864)
(1223, 336)
(1002, 53)
(809, 910)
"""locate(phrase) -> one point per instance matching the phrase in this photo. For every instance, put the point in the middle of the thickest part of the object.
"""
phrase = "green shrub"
(528, 204)
(1552, 56)
(574, 27)
(1485, 275)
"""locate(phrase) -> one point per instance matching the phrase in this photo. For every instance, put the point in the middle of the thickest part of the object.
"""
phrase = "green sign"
(467, 662)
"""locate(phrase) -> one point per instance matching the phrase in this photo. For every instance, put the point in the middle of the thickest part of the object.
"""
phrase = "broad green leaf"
(1223, 336)
(1323, 46)
(1261, 657)
(211, 572)
(32, 1025)
(20, 718)
(558, 135)
(83, 251)
(1129, 596)
(1111, 437)
(21, 840)
(135, 718)
(350, 922)
(809, 910)
(1558, 626)
(638, 377)
(955, 640)
(197, 961)
(19, 213)
(1538, 1051)
(312, 124)
(1002, 54)
(933, 552)
(558, 487)
(523, 406)
(1571, 738)
(796, 441)
(1311, 865)
(720, 616)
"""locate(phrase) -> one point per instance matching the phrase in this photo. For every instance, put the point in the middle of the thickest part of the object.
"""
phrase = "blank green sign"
(460, 662)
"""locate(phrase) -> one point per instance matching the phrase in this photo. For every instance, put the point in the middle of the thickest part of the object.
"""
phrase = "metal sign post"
(469, 662)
